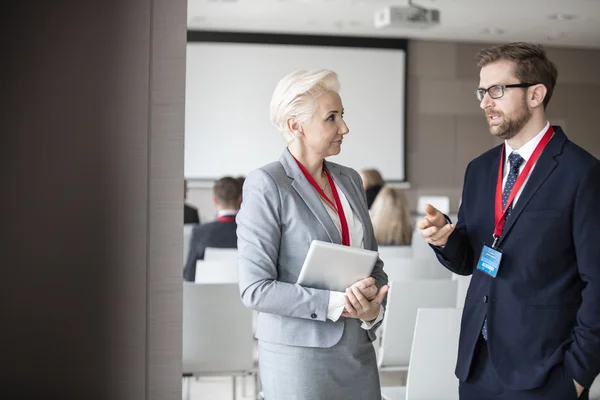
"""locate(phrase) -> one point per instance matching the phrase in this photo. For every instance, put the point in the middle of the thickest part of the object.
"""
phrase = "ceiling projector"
(410, 16)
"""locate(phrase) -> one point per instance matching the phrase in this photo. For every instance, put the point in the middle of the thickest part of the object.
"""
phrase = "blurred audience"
(391, 218)
(372, 183)
(221, 233)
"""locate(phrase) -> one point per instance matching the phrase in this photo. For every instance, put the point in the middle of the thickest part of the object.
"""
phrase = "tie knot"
(515, 160)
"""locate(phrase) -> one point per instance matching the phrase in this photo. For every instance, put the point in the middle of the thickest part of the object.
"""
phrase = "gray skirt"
(346, 371)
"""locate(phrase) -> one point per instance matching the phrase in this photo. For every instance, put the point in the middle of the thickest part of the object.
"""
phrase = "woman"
(391, 218)
(313, 344)
(372, 183)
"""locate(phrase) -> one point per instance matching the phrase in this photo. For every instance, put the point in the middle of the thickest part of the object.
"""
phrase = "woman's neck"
(312, 162)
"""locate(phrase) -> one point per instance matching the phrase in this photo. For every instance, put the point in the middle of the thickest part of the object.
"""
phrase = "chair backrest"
(433, 355)
(404, 299)
(386, 252)
(442, 203)
(421, 248)
(216, 272)
(221, 255)
(187, 237)
(217, 330)
(463, 286)
(403, 269)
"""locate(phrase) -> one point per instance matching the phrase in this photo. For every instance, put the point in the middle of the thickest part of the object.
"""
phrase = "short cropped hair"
(531, 63)
(295, 95)
(228, 191)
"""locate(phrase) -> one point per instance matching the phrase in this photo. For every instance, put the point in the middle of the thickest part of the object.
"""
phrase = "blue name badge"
(489, 262)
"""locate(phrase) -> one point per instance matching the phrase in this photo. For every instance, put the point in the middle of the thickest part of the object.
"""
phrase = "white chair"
(442, 203)
(435, 344)
(216, 272)
(463, 286)
(595, 390)
(404, 299)
(386, 252)
(226, 255)
(403, 269)
(421, 248)
(217, 340)
(187, 237)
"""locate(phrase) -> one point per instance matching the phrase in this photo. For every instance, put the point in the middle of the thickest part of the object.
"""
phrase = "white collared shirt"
(526, 152)
(355, 229)
(227, 213)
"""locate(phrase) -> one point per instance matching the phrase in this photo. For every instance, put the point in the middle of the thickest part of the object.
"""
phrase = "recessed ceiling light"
(492, 31)
(556, 36)
(563, 17)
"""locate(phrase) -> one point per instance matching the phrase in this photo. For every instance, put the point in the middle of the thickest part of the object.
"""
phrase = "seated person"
(372, 183)
(227, 196)
(190, 214)
(391, 218)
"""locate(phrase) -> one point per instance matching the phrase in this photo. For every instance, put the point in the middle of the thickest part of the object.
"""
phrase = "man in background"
(221, 233)
(190, 214)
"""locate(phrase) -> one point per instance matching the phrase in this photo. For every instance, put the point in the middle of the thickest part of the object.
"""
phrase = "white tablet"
(335, 267)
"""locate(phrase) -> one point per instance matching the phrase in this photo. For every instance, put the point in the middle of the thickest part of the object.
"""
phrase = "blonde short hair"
(371, 177)
(391, 218)
(295, 95)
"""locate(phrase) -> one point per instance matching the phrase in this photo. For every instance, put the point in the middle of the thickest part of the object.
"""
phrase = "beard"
(511, 125)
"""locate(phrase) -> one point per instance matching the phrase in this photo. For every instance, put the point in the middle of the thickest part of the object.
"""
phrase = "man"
(227, 196)
(527, 231)
(190, 214)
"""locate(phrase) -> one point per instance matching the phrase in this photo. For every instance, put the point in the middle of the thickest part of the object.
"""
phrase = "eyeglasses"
(497, 91)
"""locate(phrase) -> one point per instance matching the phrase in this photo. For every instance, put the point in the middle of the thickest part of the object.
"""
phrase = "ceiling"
(560, 23)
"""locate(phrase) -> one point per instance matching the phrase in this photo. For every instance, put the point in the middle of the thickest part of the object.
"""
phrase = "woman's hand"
(367, 287)
(357, 306)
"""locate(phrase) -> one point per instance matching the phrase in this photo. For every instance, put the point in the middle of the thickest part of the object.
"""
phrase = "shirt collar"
(528, 148)
(227, 213)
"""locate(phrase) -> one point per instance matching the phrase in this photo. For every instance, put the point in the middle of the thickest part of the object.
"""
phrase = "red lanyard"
(226, 218)
(338, 204)
(500, 214)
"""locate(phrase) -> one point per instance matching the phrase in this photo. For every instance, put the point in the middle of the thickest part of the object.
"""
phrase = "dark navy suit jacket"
(543, 308)
(212, 234)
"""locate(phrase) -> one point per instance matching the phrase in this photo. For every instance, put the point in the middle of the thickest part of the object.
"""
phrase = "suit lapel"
(493, 181)
(352, 193)
(309, 196)
(542, 170)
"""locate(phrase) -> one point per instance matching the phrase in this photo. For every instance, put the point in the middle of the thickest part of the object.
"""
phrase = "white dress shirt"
(526, 152)
(227, 213)
(336, 299)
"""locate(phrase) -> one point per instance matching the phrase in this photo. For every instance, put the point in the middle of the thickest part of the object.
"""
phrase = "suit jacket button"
(485, 299)
(313, 315)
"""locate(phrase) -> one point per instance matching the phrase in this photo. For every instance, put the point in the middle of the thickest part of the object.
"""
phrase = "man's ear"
(536, 95)
(294, 127)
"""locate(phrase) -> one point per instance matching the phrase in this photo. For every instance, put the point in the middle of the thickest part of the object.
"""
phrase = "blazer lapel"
(353, 194)
(493, 181)
(309, 196)
(542, 170)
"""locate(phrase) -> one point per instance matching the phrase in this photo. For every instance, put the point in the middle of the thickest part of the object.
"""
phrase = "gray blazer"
(281, 215)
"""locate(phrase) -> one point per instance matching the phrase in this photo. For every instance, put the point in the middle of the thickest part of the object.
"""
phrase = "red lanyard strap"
(338, 204)
(500, 214)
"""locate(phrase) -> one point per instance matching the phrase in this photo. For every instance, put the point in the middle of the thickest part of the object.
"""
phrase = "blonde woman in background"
(372, 183)
(391, 218)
